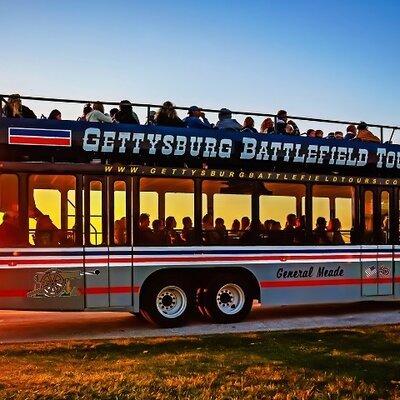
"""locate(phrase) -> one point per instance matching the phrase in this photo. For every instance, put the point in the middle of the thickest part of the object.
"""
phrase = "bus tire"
(167, 301)
(228, 299)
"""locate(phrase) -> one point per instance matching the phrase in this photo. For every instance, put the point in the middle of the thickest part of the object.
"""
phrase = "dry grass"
(359, 363)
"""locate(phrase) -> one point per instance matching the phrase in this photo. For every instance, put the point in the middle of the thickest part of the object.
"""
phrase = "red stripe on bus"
(328, 282)
(111, 290)
(14, 293)
(29, 140)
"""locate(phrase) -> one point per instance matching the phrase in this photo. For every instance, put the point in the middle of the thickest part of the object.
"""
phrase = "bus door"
(96, 267)
(120, 235)
(377, 225)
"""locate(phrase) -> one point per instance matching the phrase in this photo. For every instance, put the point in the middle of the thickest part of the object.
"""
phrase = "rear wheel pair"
(169, 301)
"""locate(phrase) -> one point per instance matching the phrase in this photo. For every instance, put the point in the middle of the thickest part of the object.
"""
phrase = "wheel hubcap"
(171, 302)
(230, 298)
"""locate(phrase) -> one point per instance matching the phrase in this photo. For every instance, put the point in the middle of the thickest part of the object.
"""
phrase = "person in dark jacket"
(197, 119)
(126, 115)
(166, 116)
(281, 121)
(15, 109)
(248, 125)
(55, 114)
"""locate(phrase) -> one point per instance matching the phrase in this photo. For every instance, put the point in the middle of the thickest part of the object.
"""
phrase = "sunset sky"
(318, 58)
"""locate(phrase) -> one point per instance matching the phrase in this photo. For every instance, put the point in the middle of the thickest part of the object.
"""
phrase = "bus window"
(52, 210)
(368, 218)
(332, 214)
(228, 215)
(96, 213)
(119, 213)
(385, 215)
(166, 212)
(281, 213)
(10, 232)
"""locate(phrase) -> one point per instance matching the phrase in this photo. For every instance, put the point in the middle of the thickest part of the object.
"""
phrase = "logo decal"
(54, 283)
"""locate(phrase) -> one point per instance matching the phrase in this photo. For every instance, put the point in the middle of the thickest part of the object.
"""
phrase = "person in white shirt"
(97, 114)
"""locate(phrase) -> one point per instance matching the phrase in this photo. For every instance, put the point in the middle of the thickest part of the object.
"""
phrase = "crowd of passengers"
(244, 232)
(167, 116)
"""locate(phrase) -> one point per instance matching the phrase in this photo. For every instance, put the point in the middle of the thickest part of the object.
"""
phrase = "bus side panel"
(121, 279)
(396, 272)
(41, 279)
(330, 276)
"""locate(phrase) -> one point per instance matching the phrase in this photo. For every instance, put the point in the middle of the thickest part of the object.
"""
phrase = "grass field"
(362, 363)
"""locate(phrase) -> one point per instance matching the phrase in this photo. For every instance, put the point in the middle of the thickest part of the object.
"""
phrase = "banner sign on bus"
(129, 143)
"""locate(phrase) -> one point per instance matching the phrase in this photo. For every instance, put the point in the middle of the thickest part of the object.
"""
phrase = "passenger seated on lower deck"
(245, 223)
(120, 231)
(10, 232)
(252, 236)
(46, 233)
(221, 230)
(146, 236)
(320, 233)
(159, 233)
(171, 234)
(300, 230)
(334, 234)
(276, 236)
(187, 235)
(290, 228)
(210, 236)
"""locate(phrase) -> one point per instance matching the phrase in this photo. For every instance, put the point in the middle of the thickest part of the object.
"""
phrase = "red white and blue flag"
(40, 137)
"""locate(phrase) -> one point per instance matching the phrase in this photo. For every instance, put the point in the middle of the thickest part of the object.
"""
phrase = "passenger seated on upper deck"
(126, 115)
(145, 236)
(365, 135)
(187, 235)
(320, 233)
(159, 233)
(97, 114)
(248, 125)
(339, 135)
(10, 232)
(166, 116)
(194, 121)
(225, 120)
(120, 231)
(292, 128)
(210, 236)
(310, 133)
(86, 110)
(46, 233)
(334, 233)
(267, 126)
(319, 133)
(15, 109)
(113, 114)
(351, 132)
(55, 115)
(281, 121)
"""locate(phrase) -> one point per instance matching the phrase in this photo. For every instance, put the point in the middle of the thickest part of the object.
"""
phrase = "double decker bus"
(167, 221)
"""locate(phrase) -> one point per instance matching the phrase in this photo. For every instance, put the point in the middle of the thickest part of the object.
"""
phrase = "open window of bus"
(166, 212)
(52, 210)
(282, 214)
(11, 235)
(227, 211)
(333, 214)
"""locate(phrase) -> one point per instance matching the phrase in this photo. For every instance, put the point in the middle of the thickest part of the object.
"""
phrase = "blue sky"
(322, 58)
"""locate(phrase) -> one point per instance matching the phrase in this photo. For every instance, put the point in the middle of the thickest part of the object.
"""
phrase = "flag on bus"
(39, 137)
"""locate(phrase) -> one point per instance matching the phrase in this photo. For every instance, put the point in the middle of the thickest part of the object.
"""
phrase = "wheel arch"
(197, 277)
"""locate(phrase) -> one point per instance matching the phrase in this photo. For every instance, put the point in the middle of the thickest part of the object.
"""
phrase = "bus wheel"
(167, 302)
(228, 299)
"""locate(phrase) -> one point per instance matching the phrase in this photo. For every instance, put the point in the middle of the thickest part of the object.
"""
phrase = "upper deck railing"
(149, 106)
